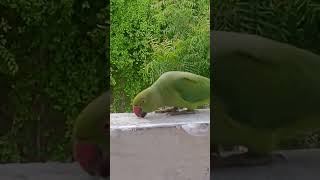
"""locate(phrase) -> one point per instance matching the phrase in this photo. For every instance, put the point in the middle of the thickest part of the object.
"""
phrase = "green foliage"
(150, 37)
(54, 64)
(8, 64)
(291, 21)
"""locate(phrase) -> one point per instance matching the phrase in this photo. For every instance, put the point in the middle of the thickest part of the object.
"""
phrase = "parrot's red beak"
(87, 155)
(138, 111)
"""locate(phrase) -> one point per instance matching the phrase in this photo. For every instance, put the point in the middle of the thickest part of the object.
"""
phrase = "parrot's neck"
(156, 96)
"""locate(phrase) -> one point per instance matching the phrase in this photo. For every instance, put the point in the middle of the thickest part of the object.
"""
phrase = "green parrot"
(264, 92)
(91, 137)
(175, 89)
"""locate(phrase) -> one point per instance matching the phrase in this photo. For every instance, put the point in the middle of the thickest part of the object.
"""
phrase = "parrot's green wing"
(193, 88)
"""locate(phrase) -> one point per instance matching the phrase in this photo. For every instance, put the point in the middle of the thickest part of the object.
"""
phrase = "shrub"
(150, 37)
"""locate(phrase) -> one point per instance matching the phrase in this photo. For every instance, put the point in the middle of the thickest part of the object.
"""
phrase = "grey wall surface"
(160, 147)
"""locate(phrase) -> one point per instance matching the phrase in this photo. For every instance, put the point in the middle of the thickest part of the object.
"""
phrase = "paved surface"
(301, 165)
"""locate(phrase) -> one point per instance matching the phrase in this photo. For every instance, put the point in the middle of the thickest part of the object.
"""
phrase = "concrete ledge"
(42, 171)
(301, 165)
(160, 146)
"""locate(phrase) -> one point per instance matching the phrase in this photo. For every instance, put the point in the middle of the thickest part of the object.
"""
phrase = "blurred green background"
(52, 63)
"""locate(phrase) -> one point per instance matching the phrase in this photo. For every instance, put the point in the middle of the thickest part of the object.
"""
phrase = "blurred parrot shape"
(91, 139)
(264, 91)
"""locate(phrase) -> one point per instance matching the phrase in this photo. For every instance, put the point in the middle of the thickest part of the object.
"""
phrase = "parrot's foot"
(188, 111)
(175, 111)
(246, 159)
(167, 110)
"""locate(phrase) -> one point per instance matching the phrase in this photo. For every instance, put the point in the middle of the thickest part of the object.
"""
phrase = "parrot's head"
(146, 101)
(91, 159)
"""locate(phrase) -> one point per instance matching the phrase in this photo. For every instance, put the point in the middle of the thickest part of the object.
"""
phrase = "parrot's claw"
(175, 111)
(182, 112)
(167, 110)
(246, 159)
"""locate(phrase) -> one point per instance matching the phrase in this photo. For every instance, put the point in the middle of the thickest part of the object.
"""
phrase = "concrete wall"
(160, 147)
